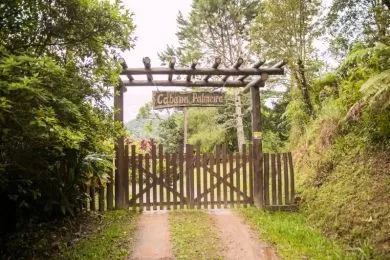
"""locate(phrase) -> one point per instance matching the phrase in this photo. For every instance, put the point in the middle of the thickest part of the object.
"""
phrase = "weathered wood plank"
(147, 180)
(204, 164)
(218, 165)
(140, 180)
(266, 178)
(168, 173)
(174, 179)
(133, 175)
(126, 175)
(197, 164)
(211, 166)
(154, 176)
(292, 183)
(181, 173)
(231, 161)
(250, 157)
(273, 179)
(238, 171)
(224, 174)
(286, 180)
(161, 174)
(279, 173)
(244, 174)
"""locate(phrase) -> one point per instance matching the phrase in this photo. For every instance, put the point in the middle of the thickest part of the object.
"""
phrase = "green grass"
(112, 240)
(292, 236)
(194, 235)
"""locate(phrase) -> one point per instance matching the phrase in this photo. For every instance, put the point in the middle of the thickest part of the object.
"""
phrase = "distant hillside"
(143, 128)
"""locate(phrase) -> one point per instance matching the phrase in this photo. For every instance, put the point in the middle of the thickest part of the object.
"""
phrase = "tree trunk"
(239, 122)
(300, 76)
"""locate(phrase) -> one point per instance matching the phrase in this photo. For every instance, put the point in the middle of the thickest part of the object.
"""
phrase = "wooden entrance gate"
(211, 180)
(159, 180)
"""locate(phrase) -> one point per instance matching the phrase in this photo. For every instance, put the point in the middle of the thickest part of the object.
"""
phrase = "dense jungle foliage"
(57, 60)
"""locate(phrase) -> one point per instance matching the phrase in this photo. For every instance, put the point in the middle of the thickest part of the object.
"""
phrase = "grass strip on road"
(292, 236)
(194, 235)
(112, 240)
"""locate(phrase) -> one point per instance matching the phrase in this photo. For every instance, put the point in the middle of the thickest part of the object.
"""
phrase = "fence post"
(257, 148)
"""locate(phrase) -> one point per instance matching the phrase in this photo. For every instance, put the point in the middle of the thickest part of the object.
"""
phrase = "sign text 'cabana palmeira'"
(169, 99)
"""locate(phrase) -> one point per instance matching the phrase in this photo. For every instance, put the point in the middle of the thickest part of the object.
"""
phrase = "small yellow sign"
(257, 135)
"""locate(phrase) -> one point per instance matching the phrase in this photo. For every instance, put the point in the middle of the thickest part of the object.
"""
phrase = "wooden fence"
(161, 180)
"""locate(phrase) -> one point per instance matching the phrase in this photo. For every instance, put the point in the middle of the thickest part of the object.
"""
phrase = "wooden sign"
(168, 99)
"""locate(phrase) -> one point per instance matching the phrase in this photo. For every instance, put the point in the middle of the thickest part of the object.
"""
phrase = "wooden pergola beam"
(171, 66)
(147, 64)
(236, 66)
(255, 66)
(193, 67)
(215, 66)
(205, 71)
(184, 83)
(257, 82)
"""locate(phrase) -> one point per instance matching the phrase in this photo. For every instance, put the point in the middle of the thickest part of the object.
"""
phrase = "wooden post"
(257, 147)
(185, 129)
(119, 152)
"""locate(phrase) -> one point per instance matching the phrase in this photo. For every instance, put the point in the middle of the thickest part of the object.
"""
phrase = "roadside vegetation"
(194, 235)
(90, 236)
(291, 234)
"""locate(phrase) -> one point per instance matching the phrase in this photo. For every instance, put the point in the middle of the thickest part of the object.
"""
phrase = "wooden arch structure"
(194, 77)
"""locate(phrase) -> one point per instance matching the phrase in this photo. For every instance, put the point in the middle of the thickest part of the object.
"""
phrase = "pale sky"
(156, 27)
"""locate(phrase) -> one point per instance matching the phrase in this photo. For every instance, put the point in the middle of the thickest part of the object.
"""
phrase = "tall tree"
(56, 63)
(286, 29)
(216, 28)
(350, 20)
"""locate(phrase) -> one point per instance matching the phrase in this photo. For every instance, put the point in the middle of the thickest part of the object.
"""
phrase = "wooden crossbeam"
(193, 66)
(222, 180)
(215, 66)
(184, 83)
(171, 66)
(255, 66)
(146, 61)
(204, 71)
(149, 187)
(257, 82)
(236, 65)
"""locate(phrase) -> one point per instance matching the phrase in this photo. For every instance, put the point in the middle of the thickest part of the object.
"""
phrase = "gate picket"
(204, 164)
(292, 187)
(285, 175)
(174, 179)
(197, 164)
(273, 179)
(147, 180)
(251, 172)
(266, 178)
(218, 165)
(161, 175)
(154, 177)
(279, 172)
(212, 185)
(181, 173)
(140, 181)
(168, 179)
(244, 184)
(231, 180)
(133, 178)
(238, 196)
(224, 174)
